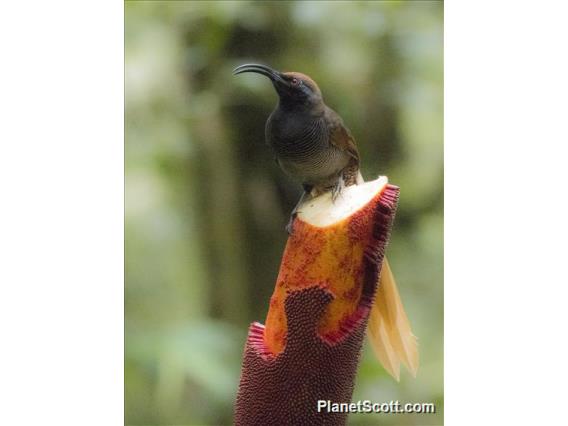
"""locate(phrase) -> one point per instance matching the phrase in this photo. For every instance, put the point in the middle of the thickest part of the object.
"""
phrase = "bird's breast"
(292, 136)
(321, 169)
(304, 151)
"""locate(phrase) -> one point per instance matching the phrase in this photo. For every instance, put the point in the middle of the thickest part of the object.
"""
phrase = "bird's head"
(295, 90)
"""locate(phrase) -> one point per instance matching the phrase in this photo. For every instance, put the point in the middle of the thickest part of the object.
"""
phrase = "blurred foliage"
(206, 205)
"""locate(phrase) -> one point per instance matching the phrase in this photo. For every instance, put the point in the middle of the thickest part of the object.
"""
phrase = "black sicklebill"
(308, 138)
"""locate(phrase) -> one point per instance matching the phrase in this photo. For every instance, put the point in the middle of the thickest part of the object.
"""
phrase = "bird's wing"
(340, 136)
(389, 329)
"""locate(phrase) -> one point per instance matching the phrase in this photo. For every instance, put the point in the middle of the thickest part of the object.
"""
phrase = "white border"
(61, 225)
(505, 216)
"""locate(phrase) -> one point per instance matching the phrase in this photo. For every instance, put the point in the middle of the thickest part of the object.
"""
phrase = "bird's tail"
(389, 329)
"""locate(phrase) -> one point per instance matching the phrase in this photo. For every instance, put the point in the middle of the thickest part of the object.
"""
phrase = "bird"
(312, 144)
(309, 140)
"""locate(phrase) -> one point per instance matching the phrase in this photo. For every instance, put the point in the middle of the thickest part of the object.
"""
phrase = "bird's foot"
(337, 188)
(305, 195)
(290, 225)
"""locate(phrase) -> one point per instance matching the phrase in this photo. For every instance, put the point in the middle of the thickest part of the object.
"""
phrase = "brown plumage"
(309, 140)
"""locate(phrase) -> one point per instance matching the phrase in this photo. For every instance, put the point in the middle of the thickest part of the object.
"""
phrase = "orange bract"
(331, 257)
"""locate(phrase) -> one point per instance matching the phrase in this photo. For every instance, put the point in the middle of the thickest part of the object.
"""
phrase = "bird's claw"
(337, 188)
(290, 225)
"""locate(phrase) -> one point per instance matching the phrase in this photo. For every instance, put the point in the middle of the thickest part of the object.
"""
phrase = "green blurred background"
(206, 204)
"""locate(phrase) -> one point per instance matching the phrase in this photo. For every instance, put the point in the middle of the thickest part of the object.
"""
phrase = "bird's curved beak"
(273, 75)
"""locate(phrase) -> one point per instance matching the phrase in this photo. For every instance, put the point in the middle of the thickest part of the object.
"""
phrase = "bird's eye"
(295, 82)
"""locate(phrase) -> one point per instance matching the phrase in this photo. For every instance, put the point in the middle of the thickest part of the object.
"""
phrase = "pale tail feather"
(389, 329)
